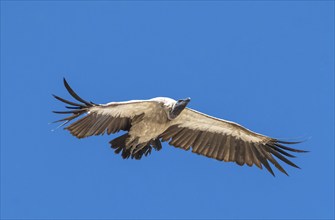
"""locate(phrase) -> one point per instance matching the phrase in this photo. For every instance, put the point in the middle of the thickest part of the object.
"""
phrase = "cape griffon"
(148, 122)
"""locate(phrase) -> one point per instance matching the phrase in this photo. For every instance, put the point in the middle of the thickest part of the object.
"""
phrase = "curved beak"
(184, 103)
(187, 100)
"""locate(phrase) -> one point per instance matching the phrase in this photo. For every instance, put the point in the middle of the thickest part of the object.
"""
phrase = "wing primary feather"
(271, 159)
(69, 102)
(288, 142)
(263, 159)
(68, 119)
(282, 158)
(70, 112)
(289, 149)
(74, 95)
(280, 150)
(72, 107)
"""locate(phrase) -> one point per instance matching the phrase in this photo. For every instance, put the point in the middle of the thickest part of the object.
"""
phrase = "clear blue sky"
(267, 65)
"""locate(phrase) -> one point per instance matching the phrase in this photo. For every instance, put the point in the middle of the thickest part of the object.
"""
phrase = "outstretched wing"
(228, 141)
(101, 118)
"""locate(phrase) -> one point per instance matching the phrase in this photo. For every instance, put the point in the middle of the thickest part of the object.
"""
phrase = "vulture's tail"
(77, 108)
(134, 152)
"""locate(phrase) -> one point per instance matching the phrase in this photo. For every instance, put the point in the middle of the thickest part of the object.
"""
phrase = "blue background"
(266, 65)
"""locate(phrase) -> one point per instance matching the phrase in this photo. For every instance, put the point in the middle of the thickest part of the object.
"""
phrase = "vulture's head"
(172, 107)
(178, 107)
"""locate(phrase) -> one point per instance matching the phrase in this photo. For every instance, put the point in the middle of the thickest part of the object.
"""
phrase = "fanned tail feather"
(134, 152)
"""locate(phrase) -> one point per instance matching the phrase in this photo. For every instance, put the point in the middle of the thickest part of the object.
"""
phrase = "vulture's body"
(149, 122)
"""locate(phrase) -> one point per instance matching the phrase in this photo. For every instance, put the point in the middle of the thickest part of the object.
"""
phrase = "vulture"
(149, 122)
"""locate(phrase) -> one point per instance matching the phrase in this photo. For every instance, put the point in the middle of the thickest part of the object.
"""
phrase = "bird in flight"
(150, 122)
